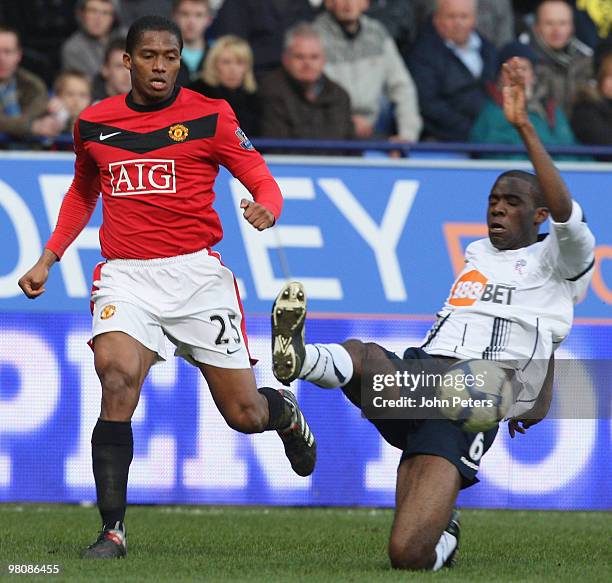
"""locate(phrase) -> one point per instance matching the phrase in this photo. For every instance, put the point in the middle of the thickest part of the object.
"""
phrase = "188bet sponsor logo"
(473, 286)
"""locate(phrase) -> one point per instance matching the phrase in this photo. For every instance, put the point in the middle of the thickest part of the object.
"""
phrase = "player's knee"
(246, 418)
(356, 348)
(117, 382)
(409, 555)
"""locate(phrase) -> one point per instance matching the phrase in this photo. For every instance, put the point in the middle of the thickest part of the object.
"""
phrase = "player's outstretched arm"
(556, 194)
(33, 282)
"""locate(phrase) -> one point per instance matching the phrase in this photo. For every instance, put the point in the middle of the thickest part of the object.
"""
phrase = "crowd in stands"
(396, 70)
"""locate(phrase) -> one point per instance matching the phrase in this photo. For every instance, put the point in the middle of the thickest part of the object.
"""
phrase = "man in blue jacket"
(451, 63)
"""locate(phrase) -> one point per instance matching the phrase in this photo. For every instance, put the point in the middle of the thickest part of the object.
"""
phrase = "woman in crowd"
(228, 74)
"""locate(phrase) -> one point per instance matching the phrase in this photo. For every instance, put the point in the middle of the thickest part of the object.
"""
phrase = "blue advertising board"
(377, 245)
(404, 226)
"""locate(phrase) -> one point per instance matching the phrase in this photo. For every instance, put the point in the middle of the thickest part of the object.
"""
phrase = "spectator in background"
(299, 101)
(72, 94)
(130, 10)
(43, 26)
(363, 59)
(549, 121)
(113, 78)
(495, 19)
(193, 18)
(451, 64)
(564, 62)
(23, 96)
(262, 23)
(228, 74)
(84, 50)
(399, 19)
(592, 115)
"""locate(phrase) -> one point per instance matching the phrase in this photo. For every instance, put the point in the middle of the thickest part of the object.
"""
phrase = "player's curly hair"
(149, 23)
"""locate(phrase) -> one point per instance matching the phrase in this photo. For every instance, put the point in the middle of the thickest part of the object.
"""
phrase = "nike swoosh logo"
(105, 137)
(233, 351)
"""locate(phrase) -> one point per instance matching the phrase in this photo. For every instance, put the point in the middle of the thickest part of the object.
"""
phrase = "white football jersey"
(517, 305)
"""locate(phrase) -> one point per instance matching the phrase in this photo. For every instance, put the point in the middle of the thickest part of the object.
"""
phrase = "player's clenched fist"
(33, 282)
(259, 216)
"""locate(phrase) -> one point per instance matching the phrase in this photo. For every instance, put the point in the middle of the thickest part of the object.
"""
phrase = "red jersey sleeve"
(232, 147)
(261, 184)
(80, 200)
(234, 150)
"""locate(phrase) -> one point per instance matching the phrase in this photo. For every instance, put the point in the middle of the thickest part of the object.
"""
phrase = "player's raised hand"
(514, 92)
(259, 216)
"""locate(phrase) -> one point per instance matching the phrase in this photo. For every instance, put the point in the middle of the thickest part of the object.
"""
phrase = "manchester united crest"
(107, 312)
(178, 132)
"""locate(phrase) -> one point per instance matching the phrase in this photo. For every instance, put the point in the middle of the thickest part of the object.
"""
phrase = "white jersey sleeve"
(572, 245)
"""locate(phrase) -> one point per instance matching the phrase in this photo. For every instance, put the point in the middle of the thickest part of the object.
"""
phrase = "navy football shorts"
(439, 437)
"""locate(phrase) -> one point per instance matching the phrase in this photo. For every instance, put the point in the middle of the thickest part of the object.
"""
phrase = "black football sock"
(280, 413)
(112, 449)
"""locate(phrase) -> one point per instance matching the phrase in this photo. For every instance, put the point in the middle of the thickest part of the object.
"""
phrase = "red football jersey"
(156, 167)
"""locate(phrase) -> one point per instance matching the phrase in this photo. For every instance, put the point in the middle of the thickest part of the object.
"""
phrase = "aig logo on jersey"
(144, 176)
(474, 286)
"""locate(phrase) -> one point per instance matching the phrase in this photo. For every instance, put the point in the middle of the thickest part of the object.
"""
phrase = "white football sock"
(446, 545)
(327, 365)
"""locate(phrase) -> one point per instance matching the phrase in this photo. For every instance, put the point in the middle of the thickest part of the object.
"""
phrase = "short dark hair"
(532, 179)
(150, 23)
(116, 44)
(6, 29)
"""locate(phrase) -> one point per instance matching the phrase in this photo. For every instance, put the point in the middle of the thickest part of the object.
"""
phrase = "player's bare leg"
(122, 364)
(425, 529)
(360, 353)
(427, 486)
(250, 410)
(426, 490)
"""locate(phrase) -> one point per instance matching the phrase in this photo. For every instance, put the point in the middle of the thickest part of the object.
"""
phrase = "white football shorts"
(191, 299)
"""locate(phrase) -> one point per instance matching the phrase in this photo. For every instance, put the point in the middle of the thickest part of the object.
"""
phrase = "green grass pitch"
(175, 544)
